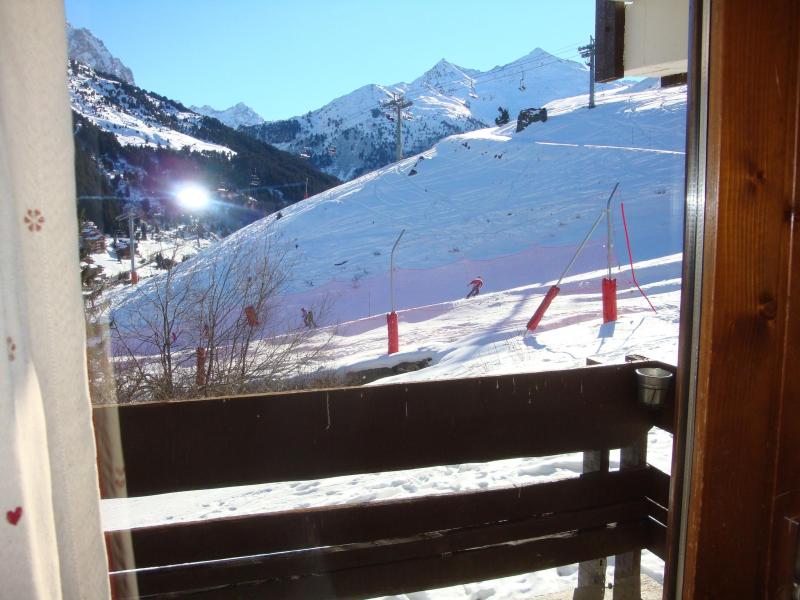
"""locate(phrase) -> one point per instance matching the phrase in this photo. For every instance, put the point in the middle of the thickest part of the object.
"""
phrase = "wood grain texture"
(750, 220)
(609, 38)
(177, 446)
(332, 578)
(356, 523)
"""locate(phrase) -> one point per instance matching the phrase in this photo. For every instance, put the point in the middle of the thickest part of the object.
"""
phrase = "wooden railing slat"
(657, 541)
(189, 445)
(336, 525)
(390, 575)
(658, 487)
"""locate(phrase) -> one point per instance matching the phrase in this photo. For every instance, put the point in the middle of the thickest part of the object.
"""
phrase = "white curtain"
(51, 544)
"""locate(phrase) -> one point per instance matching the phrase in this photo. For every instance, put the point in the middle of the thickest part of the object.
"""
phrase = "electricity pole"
(398, 102)
(589, 52)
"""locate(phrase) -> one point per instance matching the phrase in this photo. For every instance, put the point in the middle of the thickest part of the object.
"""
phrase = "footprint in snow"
(307, 487)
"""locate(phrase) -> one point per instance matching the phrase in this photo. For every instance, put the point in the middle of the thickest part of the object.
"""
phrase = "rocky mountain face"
(138, 145)
(239, 115)
(354, 134)
(83, 46)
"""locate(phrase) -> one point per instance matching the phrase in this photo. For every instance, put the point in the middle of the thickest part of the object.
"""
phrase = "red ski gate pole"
(609, 300)
(553, 291)
(630, 256)
(391, 318)
(609, 283)
(537, 316)
(394, 341)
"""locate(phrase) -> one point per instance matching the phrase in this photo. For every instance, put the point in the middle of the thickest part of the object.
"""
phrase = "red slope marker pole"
(630, 256)
(553, 291)
(394, 338)
(609, 283)
(609, 300)
(543, 306)
(391, 318)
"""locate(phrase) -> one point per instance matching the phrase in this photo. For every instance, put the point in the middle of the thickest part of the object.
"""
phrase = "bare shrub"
(213, 327)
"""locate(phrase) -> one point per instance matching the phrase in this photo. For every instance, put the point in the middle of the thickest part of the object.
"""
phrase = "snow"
(511, 207)
(106, 104)
(236, 116)
(169, 244)
(446, 99)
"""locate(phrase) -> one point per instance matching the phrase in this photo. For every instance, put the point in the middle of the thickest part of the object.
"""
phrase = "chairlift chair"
(522, 86)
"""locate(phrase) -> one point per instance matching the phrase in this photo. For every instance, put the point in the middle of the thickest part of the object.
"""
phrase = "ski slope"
(481, 336)
(511, 208)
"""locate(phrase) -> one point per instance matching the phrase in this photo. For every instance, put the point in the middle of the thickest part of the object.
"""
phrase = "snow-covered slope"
(134, 116)
(447, 99)
(510, 207)
(83, 46)
(236, 116)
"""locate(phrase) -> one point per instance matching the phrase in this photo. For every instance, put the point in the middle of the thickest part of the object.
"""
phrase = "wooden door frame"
(741, 371)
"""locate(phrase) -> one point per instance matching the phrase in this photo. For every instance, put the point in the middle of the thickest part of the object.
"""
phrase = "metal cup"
(653, 386)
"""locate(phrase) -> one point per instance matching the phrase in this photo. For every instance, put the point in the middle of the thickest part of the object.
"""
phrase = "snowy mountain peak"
(443, 74)
(352, 134)
(83, 46)
(236, 116)
(538, 58)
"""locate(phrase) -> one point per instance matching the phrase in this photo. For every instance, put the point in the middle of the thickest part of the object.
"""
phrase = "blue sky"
(285, 58)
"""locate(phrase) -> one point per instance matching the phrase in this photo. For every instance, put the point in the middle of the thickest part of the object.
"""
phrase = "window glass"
(280, 197)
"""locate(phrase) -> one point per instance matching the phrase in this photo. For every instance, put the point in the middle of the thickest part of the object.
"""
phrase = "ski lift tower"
(399, 103)
(588, 52)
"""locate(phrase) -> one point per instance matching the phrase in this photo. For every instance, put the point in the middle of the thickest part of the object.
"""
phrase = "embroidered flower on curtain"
(34, 219)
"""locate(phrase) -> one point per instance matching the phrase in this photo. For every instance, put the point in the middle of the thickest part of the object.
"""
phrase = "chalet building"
(91, 238)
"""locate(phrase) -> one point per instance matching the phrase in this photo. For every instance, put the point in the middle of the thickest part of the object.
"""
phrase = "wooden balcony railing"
(396, 546)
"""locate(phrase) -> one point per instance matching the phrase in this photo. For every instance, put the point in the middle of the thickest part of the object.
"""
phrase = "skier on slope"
(476, 284)
(311, 321)
(308, 318)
